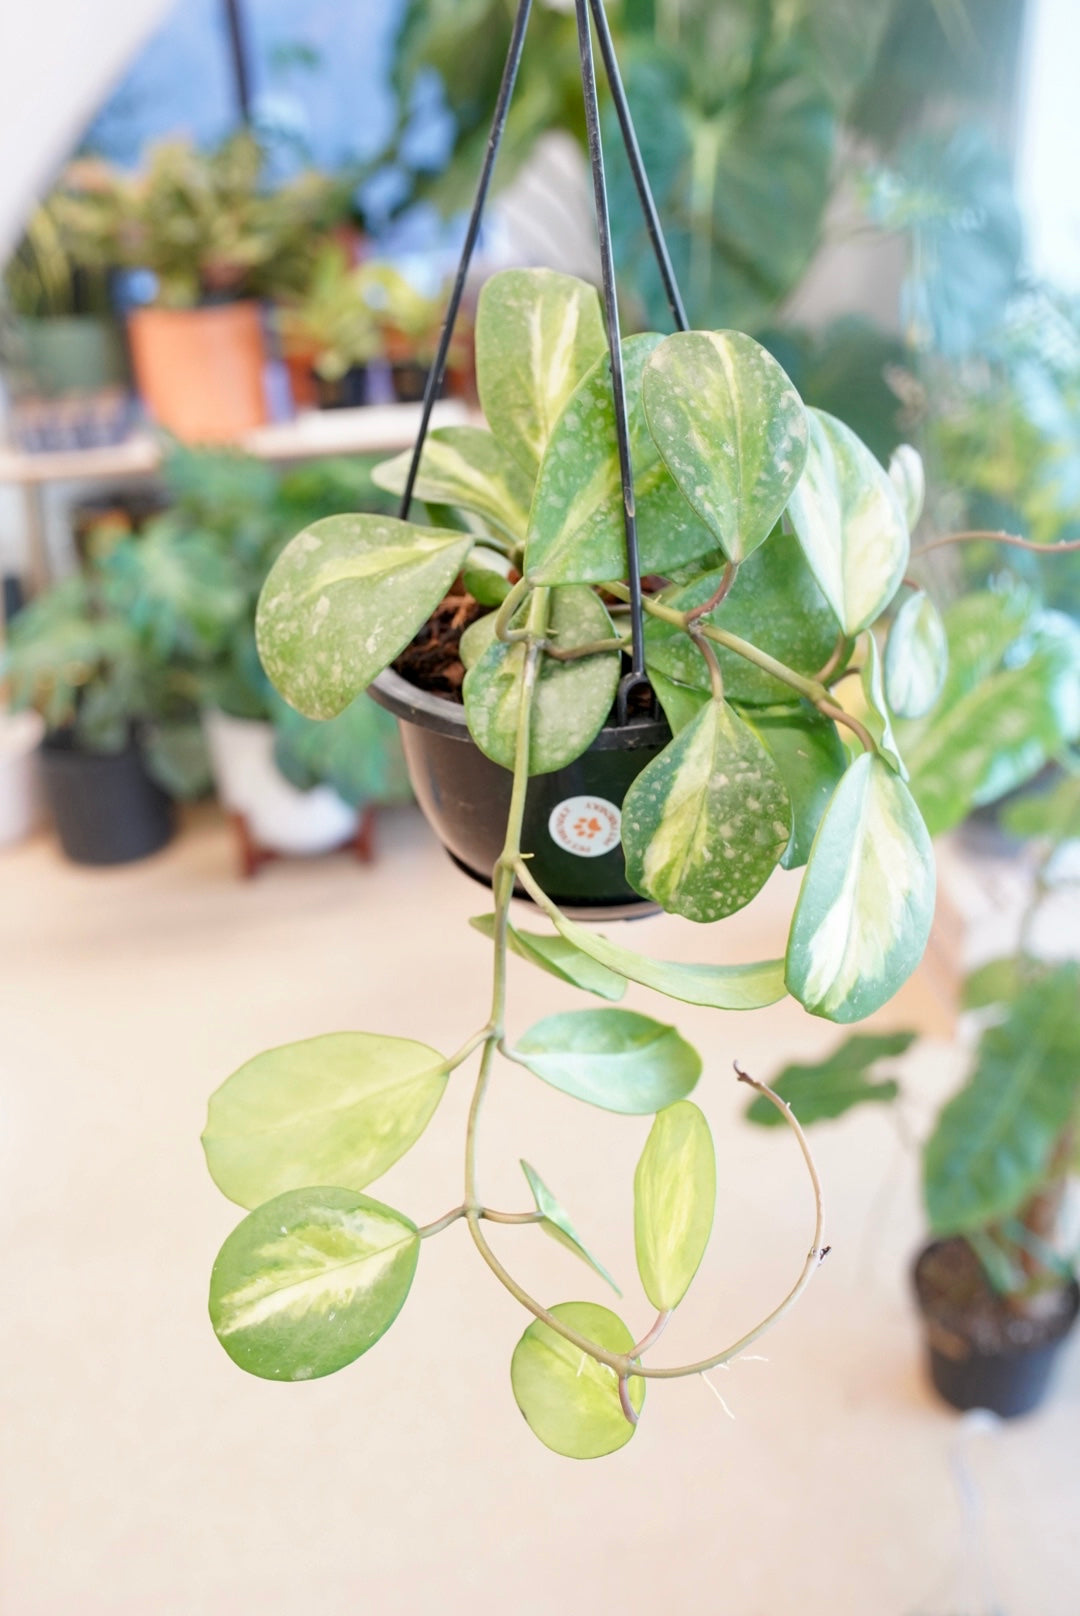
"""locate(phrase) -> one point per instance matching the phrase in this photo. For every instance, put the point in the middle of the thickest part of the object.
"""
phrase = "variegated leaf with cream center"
(468, 468)
(874, 710)
(850, 523)
(731, 429)
(309, 1281)
(916, 657)
(810, 758)
(867, 899)
(706, 822)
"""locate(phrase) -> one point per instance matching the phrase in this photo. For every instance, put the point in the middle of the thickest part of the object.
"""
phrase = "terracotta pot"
(200, 371)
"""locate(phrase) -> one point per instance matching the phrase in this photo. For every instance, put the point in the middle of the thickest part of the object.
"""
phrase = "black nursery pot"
(572, 817)
(409, 381)
(106, 808)
(1009, 1382)
(348, 392)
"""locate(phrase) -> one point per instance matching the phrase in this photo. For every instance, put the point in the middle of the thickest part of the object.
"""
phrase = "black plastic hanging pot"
(572, 817)
(106, 808)
(1009, 1382)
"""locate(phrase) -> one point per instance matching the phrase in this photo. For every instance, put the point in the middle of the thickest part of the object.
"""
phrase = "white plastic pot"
(20, 802)
(279, 818)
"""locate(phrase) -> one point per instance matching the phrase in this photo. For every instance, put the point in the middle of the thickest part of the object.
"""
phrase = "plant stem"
(487, 1212)
(716, 678)
(1062, 547)
(573, 653)
(718, 596)
(653, 1335)
(506, 611)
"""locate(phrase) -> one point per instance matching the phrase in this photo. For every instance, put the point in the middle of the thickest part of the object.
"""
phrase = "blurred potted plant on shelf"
(408, 325)
(330, 335)
(216, 238)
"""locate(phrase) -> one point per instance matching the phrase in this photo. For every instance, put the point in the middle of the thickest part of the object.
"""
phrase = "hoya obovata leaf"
(309, 1281)
(916, 657)
(571, 1401)
(466, 468)
(674, 1201)
(810, 758)
(559, 958)
(615, 1059)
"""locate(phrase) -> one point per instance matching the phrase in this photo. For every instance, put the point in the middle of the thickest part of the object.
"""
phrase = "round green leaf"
(674, 1201)
(916, 657)
(572, 701)
(731, 429)
(810, 758)
(615, 1059)
(340, 1110)
(343, 598)
(705, 823)
(467, 468)
(867, 899)
(570, 1401)
(850, 523)
(310, 1281)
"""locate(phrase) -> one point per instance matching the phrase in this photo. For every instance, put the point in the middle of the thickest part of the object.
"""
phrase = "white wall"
(1048, 157)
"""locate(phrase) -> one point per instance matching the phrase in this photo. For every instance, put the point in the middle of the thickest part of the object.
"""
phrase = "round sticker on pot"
(585, 826)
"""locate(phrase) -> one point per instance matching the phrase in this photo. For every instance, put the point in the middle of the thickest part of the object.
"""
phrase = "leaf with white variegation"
(810, 758)
(848, 518)
(559, 958)
(615, 1059)
(469, 469)
(570, 1401)
(309, 1281)
(537, 333)
(572, 699)
(706, 822)
(674, 1201)
(731, 429)
(909, 479)
(344, 598)
(867, 899)
(874, 711)
(916, 657)
(339, 1109)
(556, 1223)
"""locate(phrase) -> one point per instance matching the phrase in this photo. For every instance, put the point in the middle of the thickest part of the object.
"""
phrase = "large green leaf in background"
(731, 429)
(994, 1140)
(705, 823)
(468, 468)
(309, 1281)
(344, 598)
(537, 333)
(916, 657)
(358, 753)
(849, 521)
(810, 759)
(556, 1223)
(834, 1085)
(674, 1201)
(774, 604)
(559, 958)
(615, 1059)
(867, 898)
(339, 1109)
(572, 699)
(570, 1401)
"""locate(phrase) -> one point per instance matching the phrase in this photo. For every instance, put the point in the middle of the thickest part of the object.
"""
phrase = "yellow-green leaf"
(570, 1401)
(556, 1223)
(674, 1201)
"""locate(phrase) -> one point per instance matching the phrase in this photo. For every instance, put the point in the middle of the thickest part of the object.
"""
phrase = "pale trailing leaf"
(344, 598)
(867, 899)
(615, 1059)
(849, 521)
(916, 657)
(674, 1201)
(577, 527)
(537, 333)
(467, 468)
(810, 759)
(731, 429)
(570, 1401)
(559, 958)
(834, 1085)
(309, 1281)
(572, 700)
(556, 1223)
(705, 823)
(339, 1109)
(909, 479)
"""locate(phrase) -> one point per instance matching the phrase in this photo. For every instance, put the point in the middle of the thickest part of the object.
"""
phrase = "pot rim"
(429, 711)
(1070, 1287)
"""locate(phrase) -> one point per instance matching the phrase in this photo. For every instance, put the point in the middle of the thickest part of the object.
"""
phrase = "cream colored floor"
(143, 1475)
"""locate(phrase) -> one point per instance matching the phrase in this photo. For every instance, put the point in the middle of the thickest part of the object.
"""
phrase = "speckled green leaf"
(470, 470)
(867, 898)
(343, 598)
(615, 1059)
(706, 822)
(339, 1109)
(731, 429)
(557, 1224)
(874, 710)
(916, 657)
(577, 527)
(909, 479)
(674, 1201)
(537, 333)
(572, 701)
(559, 958)
(309, 1281)
(774, 604)
(810, 758)
(850, 523)
(570, 1401)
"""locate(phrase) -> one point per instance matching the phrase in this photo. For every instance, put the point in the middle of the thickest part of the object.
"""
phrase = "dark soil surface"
(953, 1292)
(431, 661)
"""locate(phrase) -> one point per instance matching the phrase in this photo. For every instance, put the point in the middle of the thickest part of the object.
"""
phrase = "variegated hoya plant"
(773, 545)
